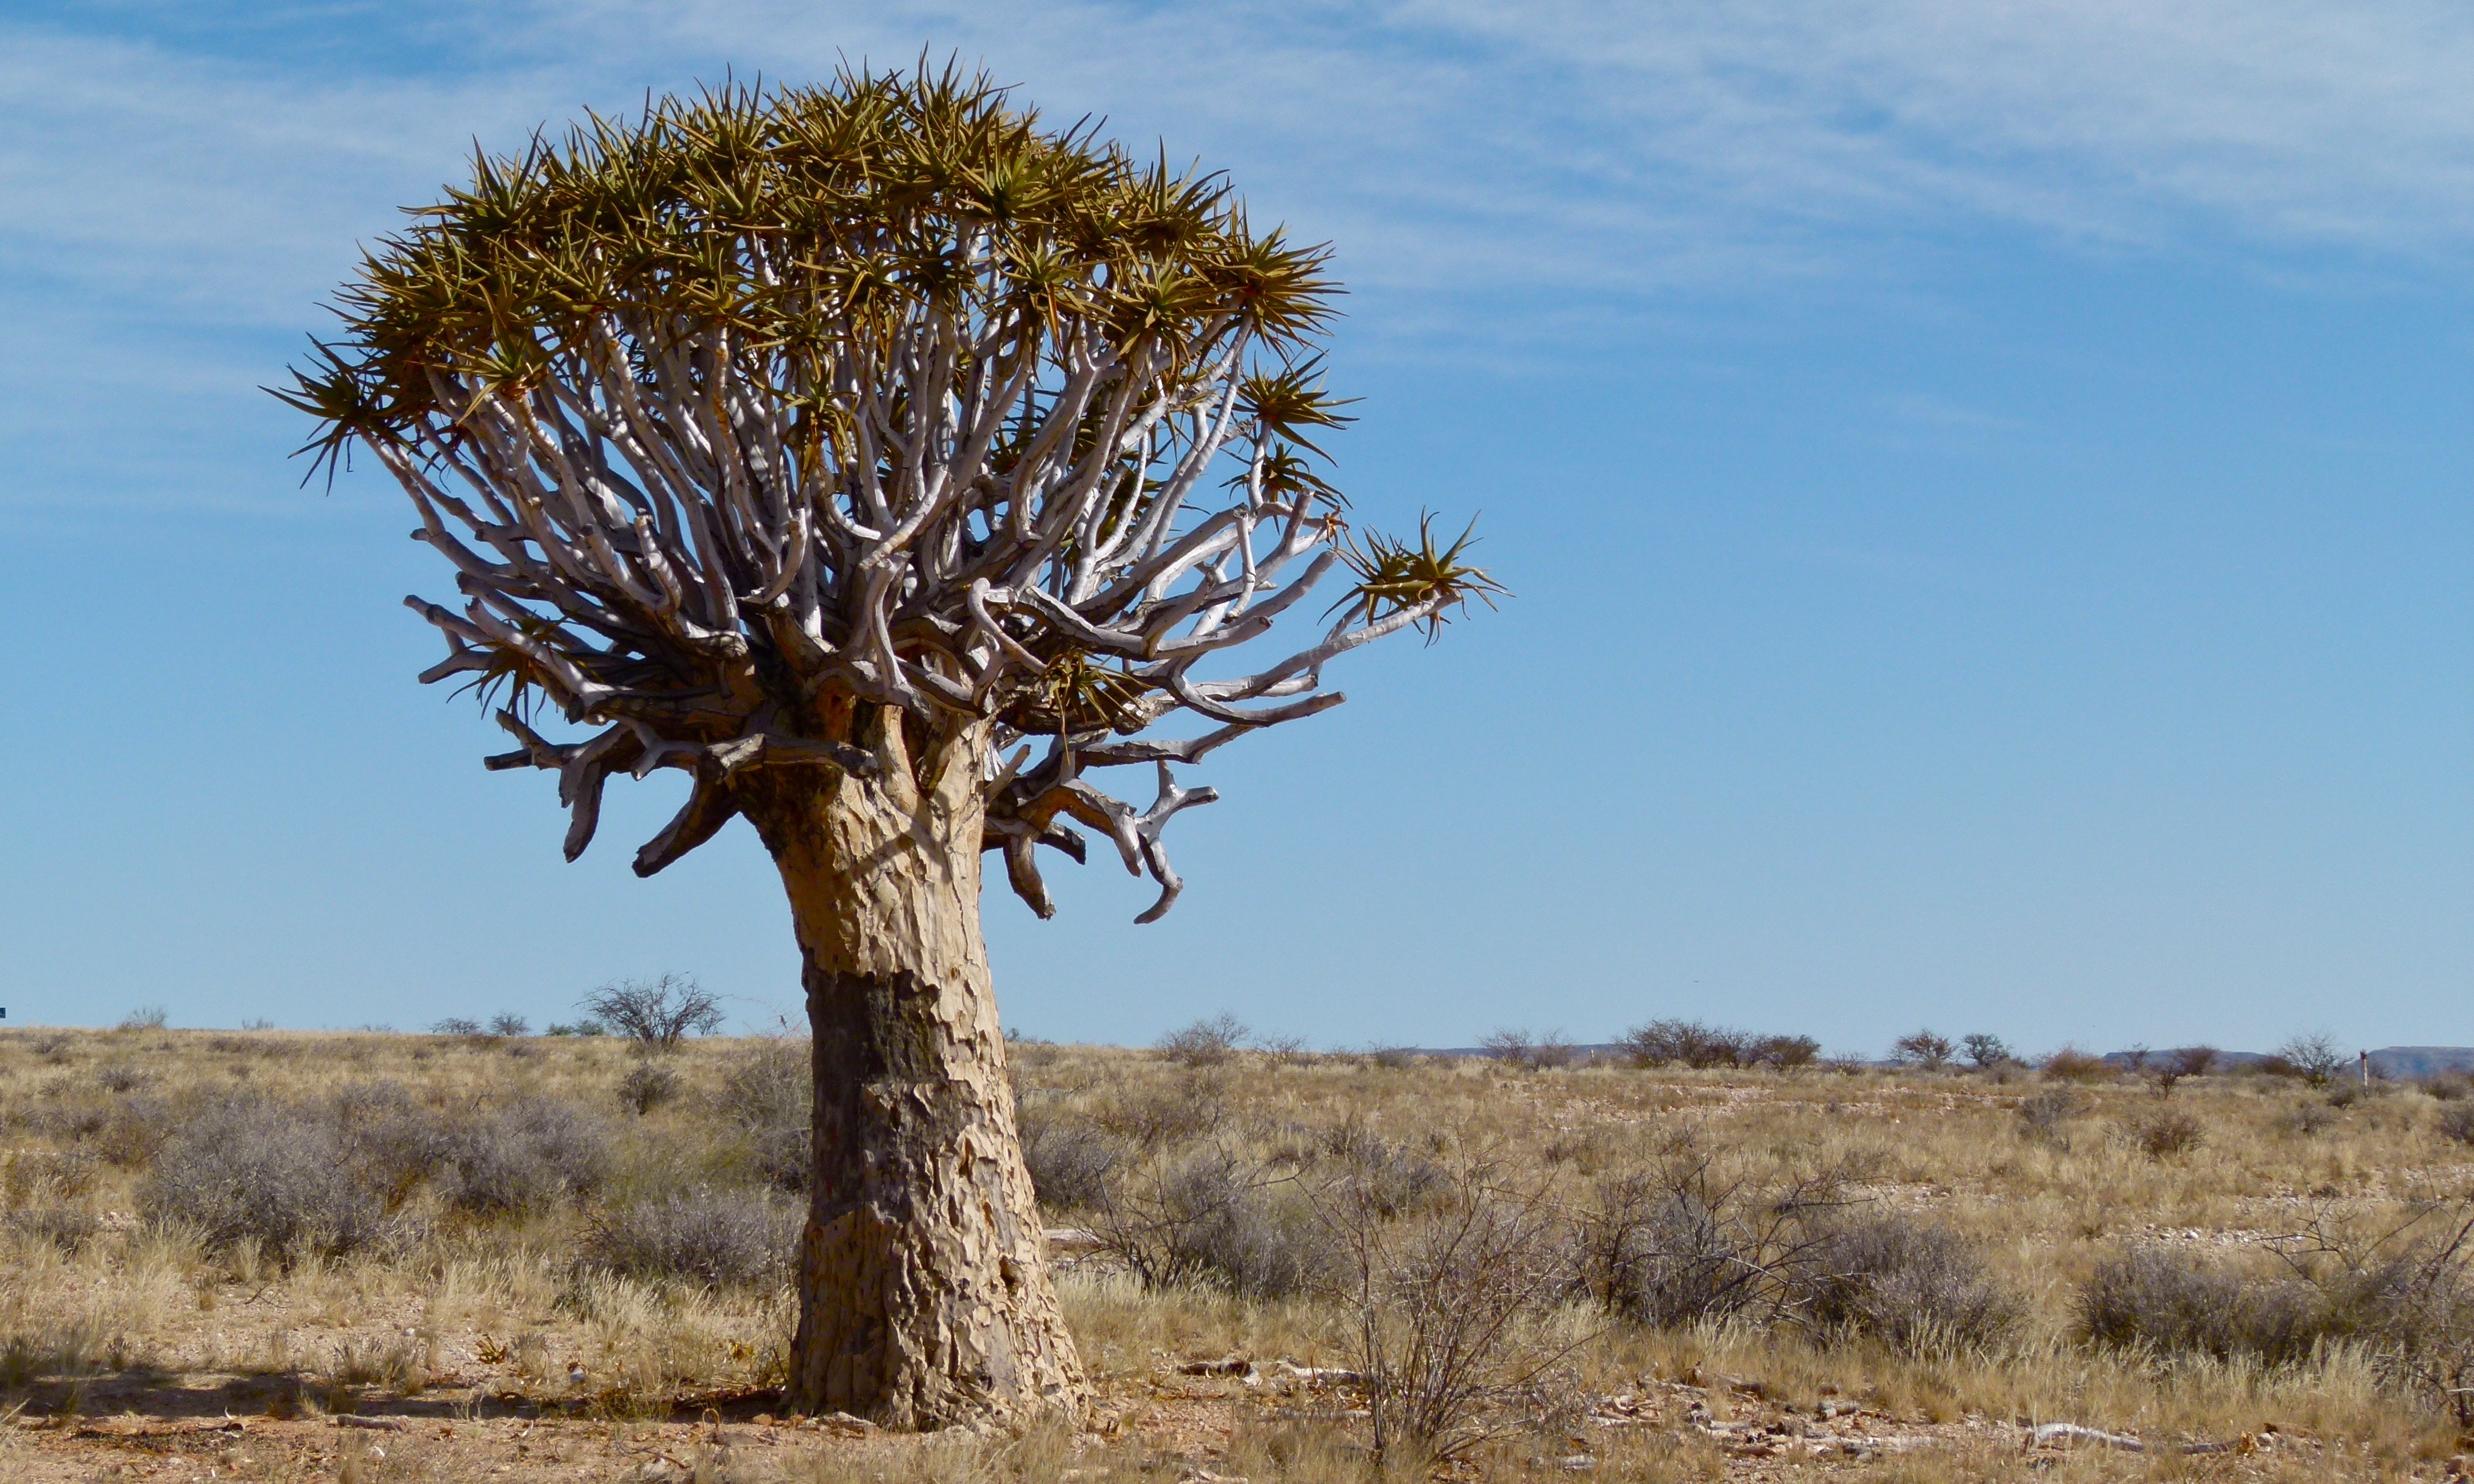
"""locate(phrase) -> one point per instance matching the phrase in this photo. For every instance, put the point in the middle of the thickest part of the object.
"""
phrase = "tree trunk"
(923, 1297)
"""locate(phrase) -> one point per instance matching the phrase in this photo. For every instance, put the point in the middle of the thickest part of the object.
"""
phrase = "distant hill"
(2405, 1063)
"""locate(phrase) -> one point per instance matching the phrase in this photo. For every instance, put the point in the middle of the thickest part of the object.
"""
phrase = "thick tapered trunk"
(924, 1299)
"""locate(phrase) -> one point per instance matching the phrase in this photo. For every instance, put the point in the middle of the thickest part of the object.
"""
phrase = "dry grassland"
(1229, 1234)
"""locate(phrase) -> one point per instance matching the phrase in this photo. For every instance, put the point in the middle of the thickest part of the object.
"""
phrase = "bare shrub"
(1917, 1288)
(259, 1171)
(1395, 1180)
(1070, 1166)
(2315, 1058)
(2401, 1294)
(2309, 1119)
(122, 1079)
(455, 1026)
(146, 1018)
(715, 1238)
(2457, 1122)
(390, 1140)
(2168, 1135)
(2447, 1086)
(1443, 1312)
(657, 1013)
(647, 1086)
(1287, 1050)
(1211, 1217)
(1535, 1053)
(525, 1156)
(1394, 1057)
(1150, 1118)
(769, 1096)
(1205, 1042)
(2047, 1116)
(1685, 1243)
(127, 1132)
(506, 1023)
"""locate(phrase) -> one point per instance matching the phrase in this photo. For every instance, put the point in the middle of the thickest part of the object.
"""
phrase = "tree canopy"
(776, 409)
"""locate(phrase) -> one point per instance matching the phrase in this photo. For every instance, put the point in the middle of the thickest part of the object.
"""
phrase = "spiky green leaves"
(1395, 577)
(779, 213)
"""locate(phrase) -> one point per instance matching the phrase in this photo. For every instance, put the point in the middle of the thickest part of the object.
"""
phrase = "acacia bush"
(1695, 1045)
(657, 1013)
(1205, 1042)
(2457, 1122)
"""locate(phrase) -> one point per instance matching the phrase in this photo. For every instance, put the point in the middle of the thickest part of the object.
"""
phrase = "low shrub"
(1683, 1042)
(1916, 1287)
(1535, 1053)
(2151, 1297)
(647, 1086)
(768, 1095)
(65, 1227)
(715, 1238)
(1395, 1180)
(2457, 1122)
(1211, 1218)
(248, 1170)
(122, 1079)
(391, 1141)
(1070, 1166)
(2072, 1065)
(1185, 1109)
(2168, 1135)
(2309, 1119)
(2046, 1115)
(525, 1156)
(1685, 1243)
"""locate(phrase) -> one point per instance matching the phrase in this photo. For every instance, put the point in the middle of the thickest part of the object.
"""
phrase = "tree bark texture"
(924, 1296)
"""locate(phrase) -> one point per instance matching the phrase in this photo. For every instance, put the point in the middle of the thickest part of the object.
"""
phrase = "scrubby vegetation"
(1301, 1266)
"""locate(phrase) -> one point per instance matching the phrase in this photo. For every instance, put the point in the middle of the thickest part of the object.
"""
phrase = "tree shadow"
(167, 1397)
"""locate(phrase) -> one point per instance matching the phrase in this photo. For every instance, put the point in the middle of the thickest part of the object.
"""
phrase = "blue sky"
(1986, 487)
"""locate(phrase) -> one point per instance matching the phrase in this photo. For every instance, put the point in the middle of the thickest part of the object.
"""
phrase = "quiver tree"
(898, 469)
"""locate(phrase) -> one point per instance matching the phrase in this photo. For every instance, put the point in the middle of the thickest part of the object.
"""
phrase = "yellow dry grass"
(500, 1356)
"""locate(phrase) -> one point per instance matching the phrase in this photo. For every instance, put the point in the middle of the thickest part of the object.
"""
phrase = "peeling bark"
(923, 1297)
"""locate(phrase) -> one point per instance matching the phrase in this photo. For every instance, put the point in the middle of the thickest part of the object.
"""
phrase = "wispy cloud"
(1634, 146)
(1556, 170)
